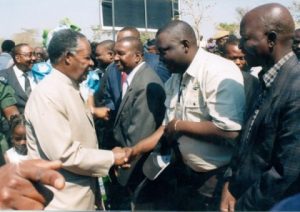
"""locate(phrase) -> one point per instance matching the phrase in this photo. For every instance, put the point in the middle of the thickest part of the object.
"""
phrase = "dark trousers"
(197, 191)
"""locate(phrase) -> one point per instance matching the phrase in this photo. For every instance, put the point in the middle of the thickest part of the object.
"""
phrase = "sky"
(17, 15)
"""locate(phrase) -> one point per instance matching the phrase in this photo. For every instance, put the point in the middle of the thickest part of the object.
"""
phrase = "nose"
(33, 57)
(23, 141)
(91, 62)
(116, 57)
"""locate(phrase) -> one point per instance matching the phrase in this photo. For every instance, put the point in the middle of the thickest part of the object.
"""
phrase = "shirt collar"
(65, 78)
(131, 75)
(19, 72)
(268, 77)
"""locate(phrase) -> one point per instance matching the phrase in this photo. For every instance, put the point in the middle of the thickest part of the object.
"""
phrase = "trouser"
(197, 191)
(153, 195)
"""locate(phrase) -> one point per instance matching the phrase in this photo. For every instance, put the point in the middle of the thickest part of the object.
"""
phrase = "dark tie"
(27, 85)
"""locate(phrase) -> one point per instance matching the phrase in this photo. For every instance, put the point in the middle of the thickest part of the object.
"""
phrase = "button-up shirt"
(210, 90)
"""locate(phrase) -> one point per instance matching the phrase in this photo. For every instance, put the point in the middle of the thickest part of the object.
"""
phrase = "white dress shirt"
(129, 78)
(20, 76)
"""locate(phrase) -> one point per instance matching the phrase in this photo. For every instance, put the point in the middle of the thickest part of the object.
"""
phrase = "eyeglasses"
(29, 54)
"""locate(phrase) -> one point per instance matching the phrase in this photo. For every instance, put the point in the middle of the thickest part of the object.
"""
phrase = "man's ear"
(186, 45)
(17, 58)
(139, 56)
(272, 38)
(68, 57)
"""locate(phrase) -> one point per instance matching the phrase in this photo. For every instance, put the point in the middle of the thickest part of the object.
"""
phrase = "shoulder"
(3, 80)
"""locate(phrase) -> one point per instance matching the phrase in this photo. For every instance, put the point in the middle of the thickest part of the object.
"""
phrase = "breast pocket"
(196, 107)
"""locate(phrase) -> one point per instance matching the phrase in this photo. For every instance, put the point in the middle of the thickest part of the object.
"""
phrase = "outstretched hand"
(19, 182)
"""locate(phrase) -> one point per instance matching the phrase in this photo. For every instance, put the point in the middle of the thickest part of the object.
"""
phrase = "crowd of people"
(165, 125)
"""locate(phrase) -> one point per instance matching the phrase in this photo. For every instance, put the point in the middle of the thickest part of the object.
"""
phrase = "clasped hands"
(122, 156)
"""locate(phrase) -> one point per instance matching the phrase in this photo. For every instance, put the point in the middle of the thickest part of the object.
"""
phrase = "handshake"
(122, 156)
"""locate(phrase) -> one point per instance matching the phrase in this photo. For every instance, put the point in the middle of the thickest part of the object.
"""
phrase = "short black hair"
(232, 40)
(62, 42)
(179, 29)
(7, 45)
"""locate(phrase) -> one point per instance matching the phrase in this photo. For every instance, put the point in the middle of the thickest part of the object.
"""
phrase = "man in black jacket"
(266, 168)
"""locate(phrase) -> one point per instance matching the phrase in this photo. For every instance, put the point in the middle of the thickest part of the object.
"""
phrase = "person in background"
(6, 60)
(265, 166)
(60, 126)
(220, 38)
(20, 75)
(40, 54)
(150, 47)
(8, 109)
(296, 43)
(18, 138)
(103, 55)
(232, 52)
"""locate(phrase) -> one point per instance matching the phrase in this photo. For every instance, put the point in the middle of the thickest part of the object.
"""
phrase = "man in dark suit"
(20, 76)
(113, 89)
(140, 113)
(265, 168)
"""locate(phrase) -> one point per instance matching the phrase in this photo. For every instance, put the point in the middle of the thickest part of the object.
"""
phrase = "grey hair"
(62, 42)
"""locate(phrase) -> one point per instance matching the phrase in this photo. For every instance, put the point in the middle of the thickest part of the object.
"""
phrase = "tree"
(197, 11)
(232, 28)
(295, 11)
(29, 36)
(99, 34)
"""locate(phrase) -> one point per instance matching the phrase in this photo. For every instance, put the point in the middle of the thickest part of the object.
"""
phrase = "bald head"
(177, 45)
(179, 30)
(273, 18)
(128, 32)
(267, 34)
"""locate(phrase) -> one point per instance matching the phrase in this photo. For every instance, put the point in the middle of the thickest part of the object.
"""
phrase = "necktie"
(27, 85)
(124, 83)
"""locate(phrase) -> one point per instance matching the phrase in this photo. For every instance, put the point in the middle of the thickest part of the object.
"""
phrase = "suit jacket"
(60, 127)
(266, 169)
(140, 114)
(12, 80)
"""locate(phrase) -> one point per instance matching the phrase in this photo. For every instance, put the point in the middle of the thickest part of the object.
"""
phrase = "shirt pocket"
(195, 107)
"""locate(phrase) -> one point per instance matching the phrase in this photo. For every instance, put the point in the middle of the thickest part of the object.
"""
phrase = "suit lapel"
(128, 93)
(279, 85)
(16, 85)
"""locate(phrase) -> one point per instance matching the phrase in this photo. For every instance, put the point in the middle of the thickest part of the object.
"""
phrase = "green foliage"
(145, 36)
(231, 27)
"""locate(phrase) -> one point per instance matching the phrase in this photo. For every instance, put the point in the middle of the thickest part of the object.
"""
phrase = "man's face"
(81, 61)
(172, 52)
(104, 56)
(126, 58)
(296, 43)
(254, 42)
(39, 54)
(236, 55)
(25, 58)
